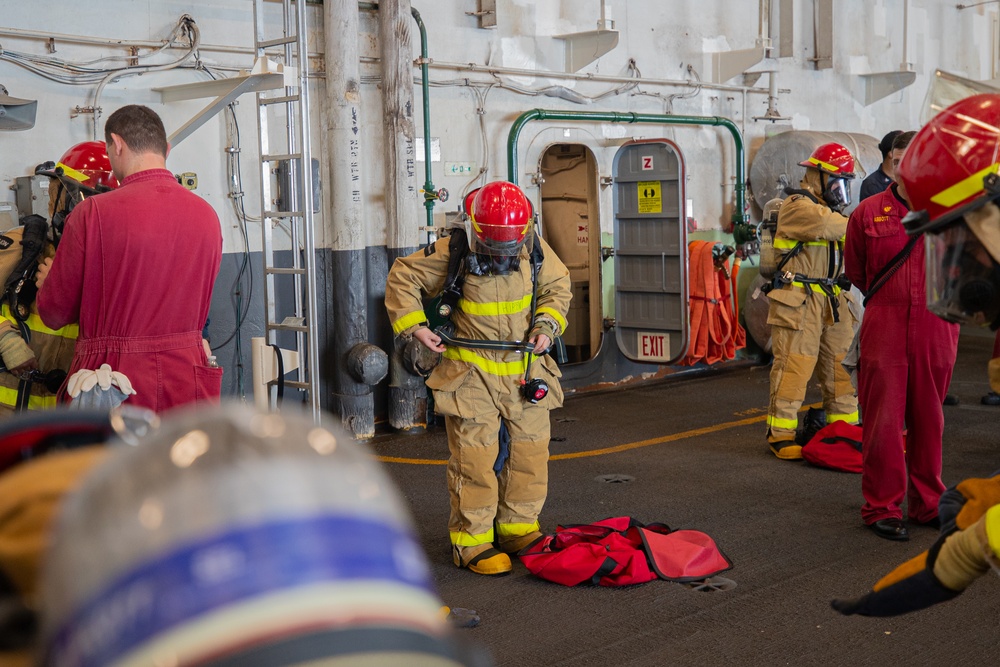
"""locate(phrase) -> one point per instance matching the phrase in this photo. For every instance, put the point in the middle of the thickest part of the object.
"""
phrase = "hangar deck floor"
(696, 454)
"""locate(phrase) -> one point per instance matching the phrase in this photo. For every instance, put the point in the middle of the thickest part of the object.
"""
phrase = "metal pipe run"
(740, 216)
(430, 194)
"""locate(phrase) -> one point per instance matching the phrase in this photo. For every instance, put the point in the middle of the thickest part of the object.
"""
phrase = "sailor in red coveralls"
(907, 356)
(136, 267)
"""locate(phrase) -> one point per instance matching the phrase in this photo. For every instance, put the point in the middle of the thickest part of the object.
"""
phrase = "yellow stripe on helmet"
(825, 165)
(73, 173)
(965, 188)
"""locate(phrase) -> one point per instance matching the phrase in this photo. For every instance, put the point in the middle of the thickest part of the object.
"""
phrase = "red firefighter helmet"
(832, 159)
(950, 167)
(500, 217)
(88, 163)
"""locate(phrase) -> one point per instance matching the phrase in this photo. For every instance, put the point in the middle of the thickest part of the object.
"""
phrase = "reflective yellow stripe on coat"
(8, 396)
(501, 368)
(35, 323)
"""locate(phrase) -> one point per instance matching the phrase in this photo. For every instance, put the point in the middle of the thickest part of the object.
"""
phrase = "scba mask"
(963, 272)
(836, 194)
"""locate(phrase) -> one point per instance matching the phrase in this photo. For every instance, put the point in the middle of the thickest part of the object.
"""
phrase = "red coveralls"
(907, 357)
(136, 267)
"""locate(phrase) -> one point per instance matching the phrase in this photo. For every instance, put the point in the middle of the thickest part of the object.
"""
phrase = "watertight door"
(651, 291)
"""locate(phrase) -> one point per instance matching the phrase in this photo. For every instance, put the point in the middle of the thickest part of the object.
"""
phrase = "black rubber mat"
(691, 453)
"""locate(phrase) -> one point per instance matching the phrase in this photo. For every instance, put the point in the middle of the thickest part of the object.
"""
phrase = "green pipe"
(740, 217)
(430, 194)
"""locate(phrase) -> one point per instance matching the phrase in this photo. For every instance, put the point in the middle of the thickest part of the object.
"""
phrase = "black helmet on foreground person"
(234, 537)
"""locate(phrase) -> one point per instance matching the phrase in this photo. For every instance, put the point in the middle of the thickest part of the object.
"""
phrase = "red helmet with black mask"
(836, 166)
(499, 219)
(949, 172)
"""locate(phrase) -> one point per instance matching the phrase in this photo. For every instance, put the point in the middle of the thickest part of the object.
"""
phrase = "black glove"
(940, 574)
(911, 594)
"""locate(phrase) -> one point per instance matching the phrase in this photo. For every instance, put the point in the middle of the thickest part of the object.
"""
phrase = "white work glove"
(85, 380)
(93, 389)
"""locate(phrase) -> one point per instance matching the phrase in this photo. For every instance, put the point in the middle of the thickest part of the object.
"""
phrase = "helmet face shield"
(495, 240)
(837, 194)
(963, 275)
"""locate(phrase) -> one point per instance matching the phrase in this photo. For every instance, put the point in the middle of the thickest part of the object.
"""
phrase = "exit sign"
(653, 346)
(459, 168)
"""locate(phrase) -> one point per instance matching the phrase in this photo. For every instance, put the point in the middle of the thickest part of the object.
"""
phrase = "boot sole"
(498, 570)
(789, 453)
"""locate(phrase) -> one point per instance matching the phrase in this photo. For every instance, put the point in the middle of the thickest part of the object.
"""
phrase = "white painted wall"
(664, 37)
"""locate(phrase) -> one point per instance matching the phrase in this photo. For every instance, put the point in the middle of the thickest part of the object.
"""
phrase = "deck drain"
(614, 479)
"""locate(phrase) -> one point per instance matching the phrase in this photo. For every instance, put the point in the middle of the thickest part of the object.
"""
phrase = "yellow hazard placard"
(650, 197)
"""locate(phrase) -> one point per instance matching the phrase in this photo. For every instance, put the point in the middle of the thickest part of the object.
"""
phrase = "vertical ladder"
(295, 151)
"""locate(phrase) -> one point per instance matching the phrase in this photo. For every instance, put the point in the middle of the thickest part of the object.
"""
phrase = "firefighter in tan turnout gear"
(35, 357)
(811, 324)
(477, 386)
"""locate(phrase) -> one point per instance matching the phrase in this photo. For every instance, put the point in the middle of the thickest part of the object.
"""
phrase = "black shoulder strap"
(536, 258)
(796, 249)
(458, 250)
(19, 288)
(804, 193)
(889, 269)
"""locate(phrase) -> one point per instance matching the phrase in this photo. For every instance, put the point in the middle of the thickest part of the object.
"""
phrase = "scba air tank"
(775, 165)
(231, 537)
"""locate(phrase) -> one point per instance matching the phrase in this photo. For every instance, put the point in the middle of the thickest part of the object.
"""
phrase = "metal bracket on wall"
(727, 64)
(882, 84)
(583, 48)
(487, 13)
(823, 34)
(265, 75)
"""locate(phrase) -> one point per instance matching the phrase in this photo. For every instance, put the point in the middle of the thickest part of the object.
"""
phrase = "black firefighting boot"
(814, 421)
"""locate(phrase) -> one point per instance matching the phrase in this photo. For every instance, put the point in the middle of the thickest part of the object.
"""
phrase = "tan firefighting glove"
(994, 370)
(14, 350)
(544, 325)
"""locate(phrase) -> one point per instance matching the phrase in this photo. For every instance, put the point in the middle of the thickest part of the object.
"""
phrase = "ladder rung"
(283, 271)
(288, 323)
(278, 157)
(282, 214)
(288, 327)
(279, 100)
(267, 43)
(292, 384)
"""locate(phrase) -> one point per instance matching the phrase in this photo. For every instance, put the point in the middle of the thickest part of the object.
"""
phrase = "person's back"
(152, 250)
